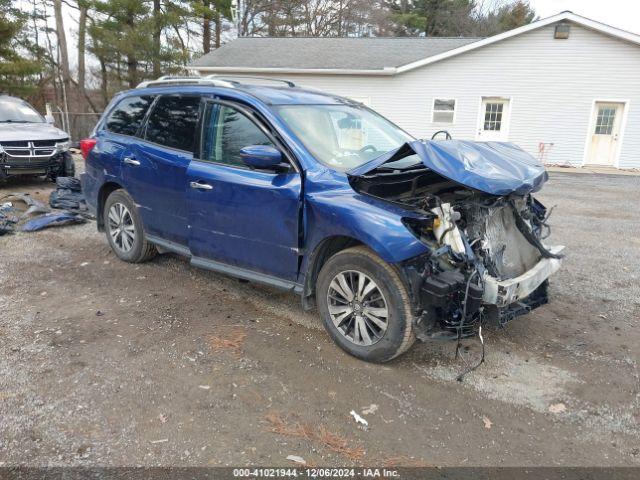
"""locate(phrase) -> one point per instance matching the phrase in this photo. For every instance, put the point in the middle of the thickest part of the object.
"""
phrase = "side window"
(127, 117)
(173, 122)
(227, 130)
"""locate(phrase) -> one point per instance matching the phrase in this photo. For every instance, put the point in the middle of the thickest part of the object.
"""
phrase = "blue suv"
(391, 238)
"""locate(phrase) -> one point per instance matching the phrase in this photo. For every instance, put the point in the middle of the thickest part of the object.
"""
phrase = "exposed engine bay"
(487, 259)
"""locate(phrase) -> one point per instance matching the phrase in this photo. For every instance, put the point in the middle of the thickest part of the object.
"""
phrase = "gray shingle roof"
(327, 53)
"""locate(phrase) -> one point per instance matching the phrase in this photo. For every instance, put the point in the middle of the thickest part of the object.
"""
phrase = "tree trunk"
(82, 36)
(218, 28)
(157, 32)
(104, 80)
(62, 43)
(131, 61)
(206, 27)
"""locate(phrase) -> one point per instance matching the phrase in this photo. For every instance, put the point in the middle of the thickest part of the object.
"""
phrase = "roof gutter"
(386, 71)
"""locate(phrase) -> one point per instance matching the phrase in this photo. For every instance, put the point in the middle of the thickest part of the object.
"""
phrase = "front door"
(241, 217)
(604, 134)
(493, 124)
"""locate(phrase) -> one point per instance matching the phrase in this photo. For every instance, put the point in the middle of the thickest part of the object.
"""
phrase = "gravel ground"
(107, 363)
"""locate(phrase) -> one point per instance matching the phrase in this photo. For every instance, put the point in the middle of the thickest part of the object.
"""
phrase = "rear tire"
(124, 229)
(380, 325)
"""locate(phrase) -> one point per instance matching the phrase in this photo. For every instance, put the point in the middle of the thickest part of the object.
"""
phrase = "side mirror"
(49, 119)
(261, 156)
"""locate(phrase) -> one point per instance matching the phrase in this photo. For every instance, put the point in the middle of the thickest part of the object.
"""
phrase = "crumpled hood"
(30, 131)
(496, 168)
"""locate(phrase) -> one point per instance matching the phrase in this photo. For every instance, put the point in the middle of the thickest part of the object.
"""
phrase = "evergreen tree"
(17, 73)
(456, 18)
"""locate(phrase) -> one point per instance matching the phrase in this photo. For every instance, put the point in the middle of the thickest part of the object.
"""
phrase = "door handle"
(201, 186)
(131, 161)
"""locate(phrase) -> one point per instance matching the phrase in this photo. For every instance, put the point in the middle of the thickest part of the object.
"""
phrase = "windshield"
(343, 137)
(13, 110)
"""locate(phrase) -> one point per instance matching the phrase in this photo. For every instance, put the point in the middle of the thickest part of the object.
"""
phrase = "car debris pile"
(22, 212)
(68, 195)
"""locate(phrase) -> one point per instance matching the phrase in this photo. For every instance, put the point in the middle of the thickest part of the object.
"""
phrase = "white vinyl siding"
(552, 85)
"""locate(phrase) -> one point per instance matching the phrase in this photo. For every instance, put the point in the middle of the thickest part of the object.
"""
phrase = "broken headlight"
(63, 146)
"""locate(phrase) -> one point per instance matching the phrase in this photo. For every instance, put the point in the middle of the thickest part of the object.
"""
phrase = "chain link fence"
(79, 125)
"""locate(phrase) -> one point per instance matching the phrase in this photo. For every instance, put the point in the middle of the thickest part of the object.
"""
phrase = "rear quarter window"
(127, 117)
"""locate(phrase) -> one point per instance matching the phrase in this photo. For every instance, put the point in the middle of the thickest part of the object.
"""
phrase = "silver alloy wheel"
(357, 307)
(121, 227)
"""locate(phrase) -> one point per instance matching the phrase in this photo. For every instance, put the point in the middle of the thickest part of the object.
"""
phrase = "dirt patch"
(181, 366)
(231, 341)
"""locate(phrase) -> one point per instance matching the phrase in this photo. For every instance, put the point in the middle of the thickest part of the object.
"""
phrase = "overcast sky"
(624, 14)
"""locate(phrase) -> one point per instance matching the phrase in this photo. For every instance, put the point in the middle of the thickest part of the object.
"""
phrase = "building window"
(604, 123)
(493, 116)
(443, 110)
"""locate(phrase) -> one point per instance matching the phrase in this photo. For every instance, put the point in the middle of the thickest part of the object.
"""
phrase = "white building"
(565, 88)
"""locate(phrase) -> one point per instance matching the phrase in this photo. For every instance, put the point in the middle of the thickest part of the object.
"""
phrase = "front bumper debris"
(451, 305)
(506, 292)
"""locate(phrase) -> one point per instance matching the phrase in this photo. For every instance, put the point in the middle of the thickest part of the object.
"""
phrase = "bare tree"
(82, 39)
(62, 44)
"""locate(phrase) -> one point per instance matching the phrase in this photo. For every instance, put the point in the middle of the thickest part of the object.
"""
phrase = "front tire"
(364, 305)
(124, 229)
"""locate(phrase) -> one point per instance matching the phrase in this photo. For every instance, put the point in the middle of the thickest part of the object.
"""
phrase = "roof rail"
(289, 83)
(215, 80)
(185, 80)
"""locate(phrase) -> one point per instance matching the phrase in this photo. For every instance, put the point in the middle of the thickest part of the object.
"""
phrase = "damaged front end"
(471, 204)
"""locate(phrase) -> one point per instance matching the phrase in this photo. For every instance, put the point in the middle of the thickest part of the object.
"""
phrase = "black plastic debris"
(68, 195)
(72, 183)
(7, 225)
(7, 218)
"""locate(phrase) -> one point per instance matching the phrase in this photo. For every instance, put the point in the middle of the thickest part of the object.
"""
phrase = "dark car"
(29, 145)
(391, 238)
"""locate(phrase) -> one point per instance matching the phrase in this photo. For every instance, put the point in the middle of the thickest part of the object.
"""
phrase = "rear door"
(156, 172)
(118, 142)
(241, 217)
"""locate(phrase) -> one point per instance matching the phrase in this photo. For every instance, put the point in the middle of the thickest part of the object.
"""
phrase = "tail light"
(86, 145)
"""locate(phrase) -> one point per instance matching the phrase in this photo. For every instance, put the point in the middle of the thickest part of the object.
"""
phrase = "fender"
(333, 209)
